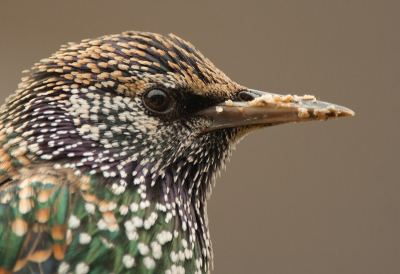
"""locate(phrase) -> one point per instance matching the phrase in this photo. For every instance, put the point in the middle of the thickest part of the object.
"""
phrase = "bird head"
(139, 107)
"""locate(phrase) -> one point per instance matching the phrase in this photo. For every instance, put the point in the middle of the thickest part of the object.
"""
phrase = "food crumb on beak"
(332, 109)
(297, 99)
(321, 113)
(219, 109)
(303, 113)
(287, 98)
(309, 97)
(229, 103)
(275, 100)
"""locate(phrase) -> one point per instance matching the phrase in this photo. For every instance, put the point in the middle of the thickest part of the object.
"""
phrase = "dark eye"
(157, 100)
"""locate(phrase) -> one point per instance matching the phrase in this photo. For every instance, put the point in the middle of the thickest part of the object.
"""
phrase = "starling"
(110, 147)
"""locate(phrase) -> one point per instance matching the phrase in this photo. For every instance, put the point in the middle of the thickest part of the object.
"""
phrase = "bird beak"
(263, 108)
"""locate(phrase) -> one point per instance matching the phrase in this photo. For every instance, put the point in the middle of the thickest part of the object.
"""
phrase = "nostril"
(246, 96)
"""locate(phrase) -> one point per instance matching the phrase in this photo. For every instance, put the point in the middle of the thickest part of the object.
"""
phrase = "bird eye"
(157, 100)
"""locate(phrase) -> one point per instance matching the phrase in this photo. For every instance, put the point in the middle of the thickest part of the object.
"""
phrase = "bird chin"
(241, 131)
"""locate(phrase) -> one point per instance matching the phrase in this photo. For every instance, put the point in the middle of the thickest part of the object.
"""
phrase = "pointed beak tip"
(346, 112)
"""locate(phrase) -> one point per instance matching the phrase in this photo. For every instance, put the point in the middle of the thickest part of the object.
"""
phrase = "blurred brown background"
(320, 197)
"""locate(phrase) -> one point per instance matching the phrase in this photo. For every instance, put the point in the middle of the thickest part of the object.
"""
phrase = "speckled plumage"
(110, 188)
(92, 180)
